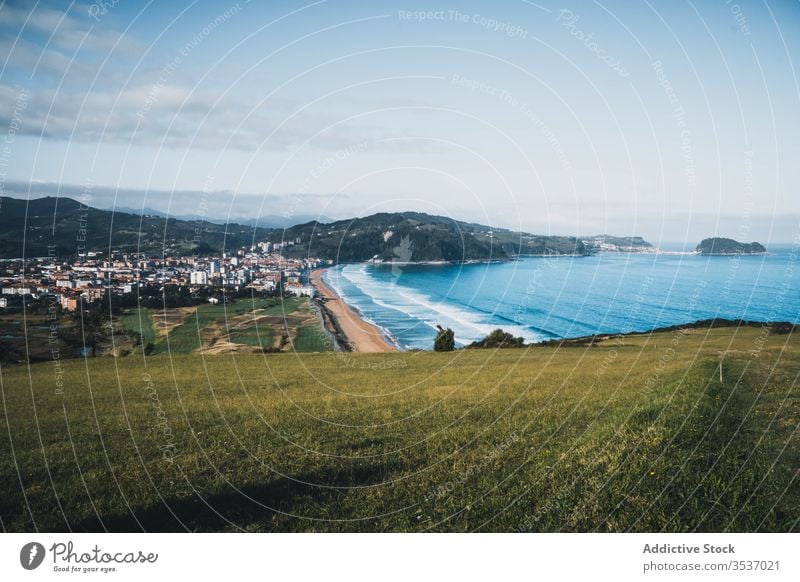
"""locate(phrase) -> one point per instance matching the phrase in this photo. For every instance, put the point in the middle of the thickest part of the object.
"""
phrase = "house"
(300, 290)
(71, 303)
(199, 278)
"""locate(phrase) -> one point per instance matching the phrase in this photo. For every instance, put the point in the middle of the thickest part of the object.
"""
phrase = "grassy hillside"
(245, 326)
(638, 434)
(248, 325)
(27, 228)
(414, 236)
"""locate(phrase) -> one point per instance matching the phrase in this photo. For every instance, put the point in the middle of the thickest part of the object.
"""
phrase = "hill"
(728, 246)
(612, 437)
(417, 237)
(63, 227)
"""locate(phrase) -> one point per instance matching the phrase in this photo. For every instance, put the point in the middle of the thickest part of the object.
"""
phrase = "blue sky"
(671, 120)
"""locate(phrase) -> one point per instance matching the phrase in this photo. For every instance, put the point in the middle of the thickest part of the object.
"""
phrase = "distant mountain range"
(278, 221)
(64, 227)
(263, 221)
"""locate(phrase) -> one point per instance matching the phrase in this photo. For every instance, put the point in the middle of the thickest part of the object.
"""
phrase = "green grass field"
(186, 337)
(311, 338)
(640, 434)
(139, 322)
(256, 336)
(236, 323)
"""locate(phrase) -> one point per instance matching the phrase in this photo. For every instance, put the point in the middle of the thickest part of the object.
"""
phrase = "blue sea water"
(543, 298)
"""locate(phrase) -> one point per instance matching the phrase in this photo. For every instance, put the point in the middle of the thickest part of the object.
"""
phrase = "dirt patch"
(165, 321)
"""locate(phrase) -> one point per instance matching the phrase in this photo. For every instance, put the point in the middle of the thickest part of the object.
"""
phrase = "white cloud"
(43, 40)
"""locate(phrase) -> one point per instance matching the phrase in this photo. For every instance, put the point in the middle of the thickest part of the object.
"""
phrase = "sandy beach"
(360, 335)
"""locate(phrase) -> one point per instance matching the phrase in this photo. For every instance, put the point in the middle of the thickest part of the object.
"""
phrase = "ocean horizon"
(545, 298)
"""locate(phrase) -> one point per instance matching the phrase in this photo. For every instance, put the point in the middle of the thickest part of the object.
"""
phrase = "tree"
(89, 327)
(445, 340)
(499, 339)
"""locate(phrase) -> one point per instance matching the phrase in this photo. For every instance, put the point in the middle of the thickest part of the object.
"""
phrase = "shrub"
(445, 340)
(499, 339)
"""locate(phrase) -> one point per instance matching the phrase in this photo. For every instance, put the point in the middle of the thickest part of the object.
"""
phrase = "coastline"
(351, 331)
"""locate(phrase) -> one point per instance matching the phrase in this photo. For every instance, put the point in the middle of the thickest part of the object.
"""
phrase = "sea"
(545, 298)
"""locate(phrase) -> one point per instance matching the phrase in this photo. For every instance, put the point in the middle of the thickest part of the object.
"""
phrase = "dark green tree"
(445, 340)
(87, 329)
(499, 339)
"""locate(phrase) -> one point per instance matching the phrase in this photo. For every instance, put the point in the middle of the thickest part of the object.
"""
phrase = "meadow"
(673, 431)
(249, 325)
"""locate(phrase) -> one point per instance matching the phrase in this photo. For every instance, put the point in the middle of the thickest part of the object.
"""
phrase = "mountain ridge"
(64, 227)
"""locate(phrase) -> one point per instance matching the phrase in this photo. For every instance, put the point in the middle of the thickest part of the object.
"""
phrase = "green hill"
(413, 236)
(728, 246)
(29, 228)
(612, 437)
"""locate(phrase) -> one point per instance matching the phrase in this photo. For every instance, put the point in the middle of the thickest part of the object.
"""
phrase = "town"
(90, 304)
(91, 277)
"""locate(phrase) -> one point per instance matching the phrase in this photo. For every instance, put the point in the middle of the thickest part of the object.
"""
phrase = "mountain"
(64, 227)
(416, 237)
(276, 221)
(143, 211)
(728, 246)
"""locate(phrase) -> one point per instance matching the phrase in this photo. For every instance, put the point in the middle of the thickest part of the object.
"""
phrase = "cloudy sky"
(671, 120)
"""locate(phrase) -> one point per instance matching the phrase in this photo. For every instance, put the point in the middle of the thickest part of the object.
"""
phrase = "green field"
(249, 323)
(186, 337)
(673, 432)
(311, 338)
(139, 322)
(256, 336)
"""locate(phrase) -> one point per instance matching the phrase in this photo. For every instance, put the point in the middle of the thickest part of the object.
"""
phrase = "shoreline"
(351, 331)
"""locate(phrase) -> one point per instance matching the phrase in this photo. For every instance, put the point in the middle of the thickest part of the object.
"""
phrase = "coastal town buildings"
(88, 277)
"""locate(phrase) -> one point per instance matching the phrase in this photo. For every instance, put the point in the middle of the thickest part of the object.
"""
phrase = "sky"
(669, 120)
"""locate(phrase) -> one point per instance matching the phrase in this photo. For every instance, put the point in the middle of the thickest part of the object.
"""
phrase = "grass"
(257, 336)
(187, 337)
(311, 338)
(284, 306)
(234, 322)
(139, 322)
(633, 435)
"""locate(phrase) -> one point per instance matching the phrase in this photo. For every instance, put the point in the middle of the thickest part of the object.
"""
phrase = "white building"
(198, 278)
(300, 291)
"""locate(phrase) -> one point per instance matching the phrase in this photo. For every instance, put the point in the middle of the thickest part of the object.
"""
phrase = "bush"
(445, 340)
(499, 339)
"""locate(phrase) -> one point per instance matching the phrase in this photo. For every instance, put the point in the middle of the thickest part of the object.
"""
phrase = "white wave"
(338, 289)
(468, 324)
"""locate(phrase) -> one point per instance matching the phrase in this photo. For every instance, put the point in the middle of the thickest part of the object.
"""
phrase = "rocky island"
(728, 246)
